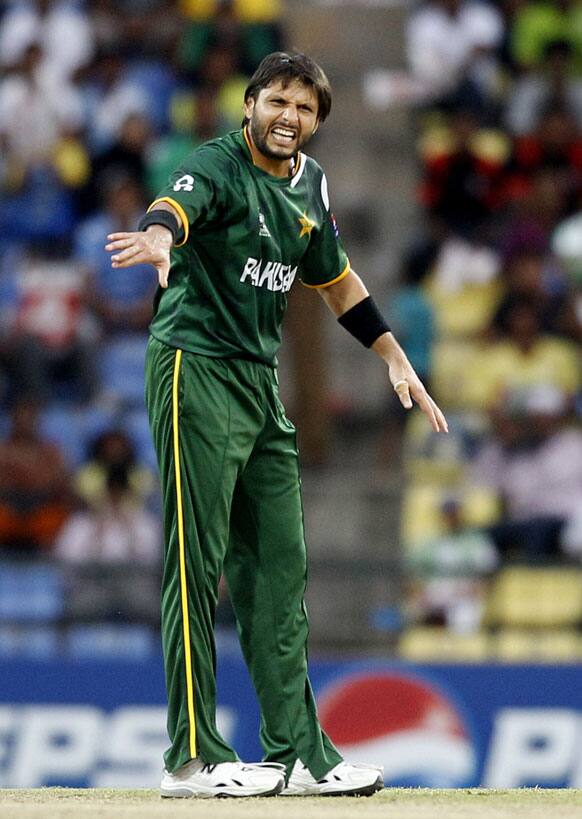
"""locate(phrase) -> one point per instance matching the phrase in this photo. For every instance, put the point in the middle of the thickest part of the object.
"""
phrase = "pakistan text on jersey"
(275, 276)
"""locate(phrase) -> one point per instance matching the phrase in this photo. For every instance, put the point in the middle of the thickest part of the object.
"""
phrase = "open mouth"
(283, 135)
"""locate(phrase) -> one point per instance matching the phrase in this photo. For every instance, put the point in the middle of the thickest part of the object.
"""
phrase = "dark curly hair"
(289, 67)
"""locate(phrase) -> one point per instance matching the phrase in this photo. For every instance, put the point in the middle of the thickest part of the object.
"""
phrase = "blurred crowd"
(494, 279)
(99, 102)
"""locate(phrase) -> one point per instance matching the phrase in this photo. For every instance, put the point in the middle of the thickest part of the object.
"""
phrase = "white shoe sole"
(329, 789)
(183, 791)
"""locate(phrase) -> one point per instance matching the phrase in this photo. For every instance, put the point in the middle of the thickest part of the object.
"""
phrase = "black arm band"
(364, 321)
(162, 217)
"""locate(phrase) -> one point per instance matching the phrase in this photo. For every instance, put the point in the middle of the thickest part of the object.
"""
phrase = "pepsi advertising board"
(102, 724)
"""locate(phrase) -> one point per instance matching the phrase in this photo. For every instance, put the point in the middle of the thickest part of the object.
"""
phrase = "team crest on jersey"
(263, 229)
(274, 276)
(307, 225)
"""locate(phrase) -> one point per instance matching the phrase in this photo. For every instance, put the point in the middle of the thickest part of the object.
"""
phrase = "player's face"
(282, 120)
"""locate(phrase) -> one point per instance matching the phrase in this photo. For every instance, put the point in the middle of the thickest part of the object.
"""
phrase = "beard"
(259, 134)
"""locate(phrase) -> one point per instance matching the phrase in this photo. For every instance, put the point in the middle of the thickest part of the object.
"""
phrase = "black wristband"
(162, 217)
(364, 321)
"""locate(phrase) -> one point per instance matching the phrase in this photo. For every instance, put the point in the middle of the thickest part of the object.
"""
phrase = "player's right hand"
(151, 246)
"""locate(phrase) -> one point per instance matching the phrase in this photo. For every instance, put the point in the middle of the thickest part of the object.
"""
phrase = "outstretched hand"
(143, 247)
(408, 386)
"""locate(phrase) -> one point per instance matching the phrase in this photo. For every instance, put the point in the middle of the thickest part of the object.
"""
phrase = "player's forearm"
(345, 294)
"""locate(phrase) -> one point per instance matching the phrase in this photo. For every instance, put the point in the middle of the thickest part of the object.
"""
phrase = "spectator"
(524, 358)
(551, 85)
(536, 202)
(49, 336)
(34, 484)
(463, 171)
(534, 463)
(536, 276)
(36, 109)
(40, 122)
(555, 148)
(537, 24)
(111, 97)
(62, 29)
(121, 301)
(126, 156)
(112, 451)
(118, 529)
(248, 33)
(411, 314)
(451, 49)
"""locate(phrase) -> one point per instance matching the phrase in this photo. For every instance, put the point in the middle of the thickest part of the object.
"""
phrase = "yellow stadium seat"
(435, 644)
(538, 646)
(422, 516)
(535, 598)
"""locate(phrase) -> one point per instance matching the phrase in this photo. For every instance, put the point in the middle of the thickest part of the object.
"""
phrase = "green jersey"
(247, 237)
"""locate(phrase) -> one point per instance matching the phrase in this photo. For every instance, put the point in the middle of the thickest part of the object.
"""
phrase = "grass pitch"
(392, 803)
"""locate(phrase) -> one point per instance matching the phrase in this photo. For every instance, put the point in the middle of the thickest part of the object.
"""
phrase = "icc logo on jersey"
(263, 229)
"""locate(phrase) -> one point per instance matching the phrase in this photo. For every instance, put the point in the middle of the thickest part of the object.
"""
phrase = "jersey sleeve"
(193, 191)
(325, 261)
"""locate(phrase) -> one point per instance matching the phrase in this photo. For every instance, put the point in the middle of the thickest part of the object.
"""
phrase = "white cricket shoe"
(345, 779)
(223, 779)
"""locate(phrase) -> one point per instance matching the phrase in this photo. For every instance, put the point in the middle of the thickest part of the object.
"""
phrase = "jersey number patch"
(184, 183)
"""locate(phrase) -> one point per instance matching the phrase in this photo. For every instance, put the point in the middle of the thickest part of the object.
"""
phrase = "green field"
(401, 803)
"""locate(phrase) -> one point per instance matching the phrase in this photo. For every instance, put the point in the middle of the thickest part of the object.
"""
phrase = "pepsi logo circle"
(403, 722)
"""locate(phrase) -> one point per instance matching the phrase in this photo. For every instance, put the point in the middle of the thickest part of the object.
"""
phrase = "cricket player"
(241, 220)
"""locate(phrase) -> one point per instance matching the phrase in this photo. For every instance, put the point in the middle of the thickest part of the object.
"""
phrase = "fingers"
(442, 421)
(163, 272)
(402, 390)
(120, 244)
(431, 409)
(131, 256)
(434, 413)
(113, 237)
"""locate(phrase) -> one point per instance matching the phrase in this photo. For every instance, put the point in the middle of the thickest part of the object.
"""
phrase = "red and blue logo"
(334, 225)
(403, 722)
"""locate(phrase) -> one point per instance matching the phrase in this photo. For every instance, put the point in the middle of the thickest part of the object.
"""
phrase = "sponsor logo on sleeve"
(184, 183)
(334, 225)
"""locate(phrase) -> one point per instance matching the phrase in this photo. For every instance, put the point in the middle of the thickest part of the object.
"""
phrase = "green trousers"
(232, 503)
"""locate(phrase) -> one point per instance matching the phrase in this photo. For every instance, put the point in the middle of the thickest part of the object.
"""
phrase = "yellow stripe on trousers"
(182, 553)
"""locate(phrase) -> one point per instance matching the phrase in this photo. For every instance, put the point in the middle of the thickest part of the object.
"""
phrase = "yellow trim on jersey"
(181, 213)
(344, 273)
(248, 141)
(182, 559)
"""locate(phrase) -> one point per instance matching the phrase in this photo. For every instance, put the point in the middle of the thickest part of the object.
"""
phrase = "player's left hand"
(408, 386)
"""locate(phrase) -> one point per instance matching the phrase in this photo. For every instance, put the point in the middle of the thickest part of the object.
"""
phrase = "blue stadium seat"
(31, 592)
(136, 424)
(37, 643)
(122, 369)
(107, 640)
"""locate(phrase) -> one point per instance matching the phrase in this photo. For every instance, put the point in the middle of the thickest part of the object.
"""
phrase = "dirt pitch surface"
(392, 803)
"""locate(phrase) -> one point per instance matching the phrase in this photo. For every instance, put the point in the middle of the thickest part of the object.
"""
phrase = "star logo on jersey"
(306, 225)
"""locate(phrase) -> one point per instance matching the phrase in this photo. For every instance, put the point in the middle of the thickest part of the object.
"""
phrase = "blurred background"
(445, 588)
